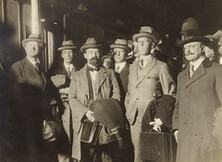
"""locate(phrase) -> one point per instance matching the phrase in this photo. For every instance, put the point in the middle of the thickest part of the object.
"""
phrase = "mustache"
(188, 54)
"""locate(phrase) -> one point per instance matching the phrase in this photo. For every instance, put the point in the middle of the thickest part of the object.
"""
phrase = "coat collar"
(200, 71)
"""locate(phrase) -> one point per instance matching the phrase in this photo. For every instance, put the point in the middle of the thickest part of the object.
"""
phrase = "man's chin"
(94, 62)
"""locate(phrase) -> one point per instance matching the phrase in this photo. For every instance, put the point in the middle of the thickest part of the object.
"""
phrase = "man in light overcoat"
(147, 76)
(89, 83)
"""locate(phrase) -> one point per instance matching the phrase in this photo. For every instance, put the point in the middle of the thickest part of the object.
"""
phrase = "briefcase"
(90, 132)
(156, 146)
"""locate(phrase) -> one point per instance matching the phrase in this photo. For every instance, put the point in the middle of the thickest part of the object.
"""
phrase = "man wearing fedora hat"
(147, 76)
(120, 49)
(60, 76)
(199, 96)
(92, 82)
(30, 96)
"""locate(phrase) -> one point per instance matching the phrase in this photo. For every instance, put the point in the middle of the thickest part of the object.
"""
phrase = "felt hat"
(90, 43)
(146, 31)
(33, 38)
(67, 45)
(120, 43)
(189, 39)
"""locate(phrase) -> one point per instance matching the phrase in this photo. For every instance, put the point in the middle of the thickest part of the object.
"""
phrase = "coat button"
(137, 98)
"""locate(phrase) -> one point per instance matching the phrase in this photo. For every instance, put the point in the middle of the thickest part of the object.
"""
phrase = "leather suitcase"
(90, 132)
(157, 146)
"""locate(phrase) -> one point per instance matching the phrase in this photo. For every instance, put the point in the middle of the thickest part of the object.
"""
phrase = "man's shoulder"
(19, 63)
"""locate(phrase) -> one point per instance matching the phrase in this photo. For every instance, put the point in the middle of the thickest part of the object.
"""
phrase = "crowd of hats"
(190, 31)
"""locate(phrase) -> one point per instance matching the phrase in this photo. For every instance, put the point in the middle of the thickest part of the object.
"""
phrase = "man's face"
(119, 55)
(92, 56)
(67, 55)
(107, 63)
(209, 52)
(144, 46)
(193, 51)
(32, 49)
(220, 46)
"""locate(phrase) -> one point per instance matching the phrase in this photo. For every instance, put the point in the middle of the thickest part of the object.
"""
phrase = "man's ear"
(85, 55)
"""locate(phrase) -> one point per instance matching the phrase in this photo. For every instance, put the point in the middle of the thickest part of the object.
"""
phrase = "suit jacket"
(198, 98)
(153, 78)
(107, 87)
(122, 78)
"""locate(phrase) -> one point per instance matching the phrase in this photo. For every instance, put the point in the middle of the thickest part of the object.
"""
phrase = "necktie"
(37, 66)
(93, 68)
(191, 70)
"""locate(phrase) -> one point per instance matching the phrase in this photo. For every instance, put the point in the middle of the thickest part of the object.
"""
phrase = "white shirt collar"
(33, 61)
(197, 63)
(120, 65)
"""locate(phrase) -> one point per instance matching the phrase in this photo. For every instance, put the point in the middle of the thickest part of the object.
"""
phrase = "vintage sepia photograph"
(110, 80)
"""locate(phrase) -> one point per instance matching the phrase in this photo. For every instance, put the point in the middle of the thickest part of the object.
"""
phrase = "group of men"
(196, 119)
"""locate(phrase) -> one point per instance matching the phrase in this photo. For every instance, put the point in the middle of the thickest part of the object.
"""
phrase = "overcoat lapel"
(198, 73)
(84, 80)
(146, 70)
(29, 66)
(101, 77)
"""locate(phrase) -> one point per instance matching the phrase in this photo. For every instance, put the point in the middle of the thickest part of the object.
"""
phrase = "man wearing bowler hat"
(147, 76)
(92, 82)
(199, 99)
(120, 49)
(60, 76)
(30, 98)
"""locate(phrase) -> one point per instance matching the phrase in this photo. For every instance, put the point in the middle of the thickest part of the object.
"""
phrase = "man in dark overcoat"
(199, 96)
(30, 100)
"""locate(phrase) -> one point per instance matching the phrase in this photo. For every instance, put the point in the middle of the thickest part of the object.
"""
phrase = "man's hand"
(176, 135)
(90, 116)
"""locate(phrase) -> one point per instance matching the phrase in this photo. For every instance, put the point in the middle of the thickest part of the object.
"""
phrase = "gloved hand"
(156, 124)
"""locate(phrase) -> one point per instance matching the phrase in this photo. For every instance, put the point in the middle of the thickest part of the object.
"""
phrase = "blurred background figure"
(107, 61)
(210, 48)
(218, 37)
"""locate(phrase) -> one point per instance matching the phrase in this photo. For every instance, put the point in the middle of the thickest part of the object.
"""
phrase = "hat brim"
(112, 46)
(66, 47)
(194, 39)
(39, 41)
(87, 46)
(146, 35)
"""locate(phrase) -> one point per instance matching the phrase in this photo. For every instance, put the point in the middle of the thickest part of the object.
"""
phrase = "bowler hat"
(67, 45)
(212, 41)
(33, 38)
(90, 43)
(120, 43)
(189, 39)
(148, 32)
(217, 35)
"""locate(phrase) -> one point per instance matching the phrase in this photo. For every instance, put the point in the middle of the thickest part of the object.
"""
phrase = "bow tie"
(93, 68)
